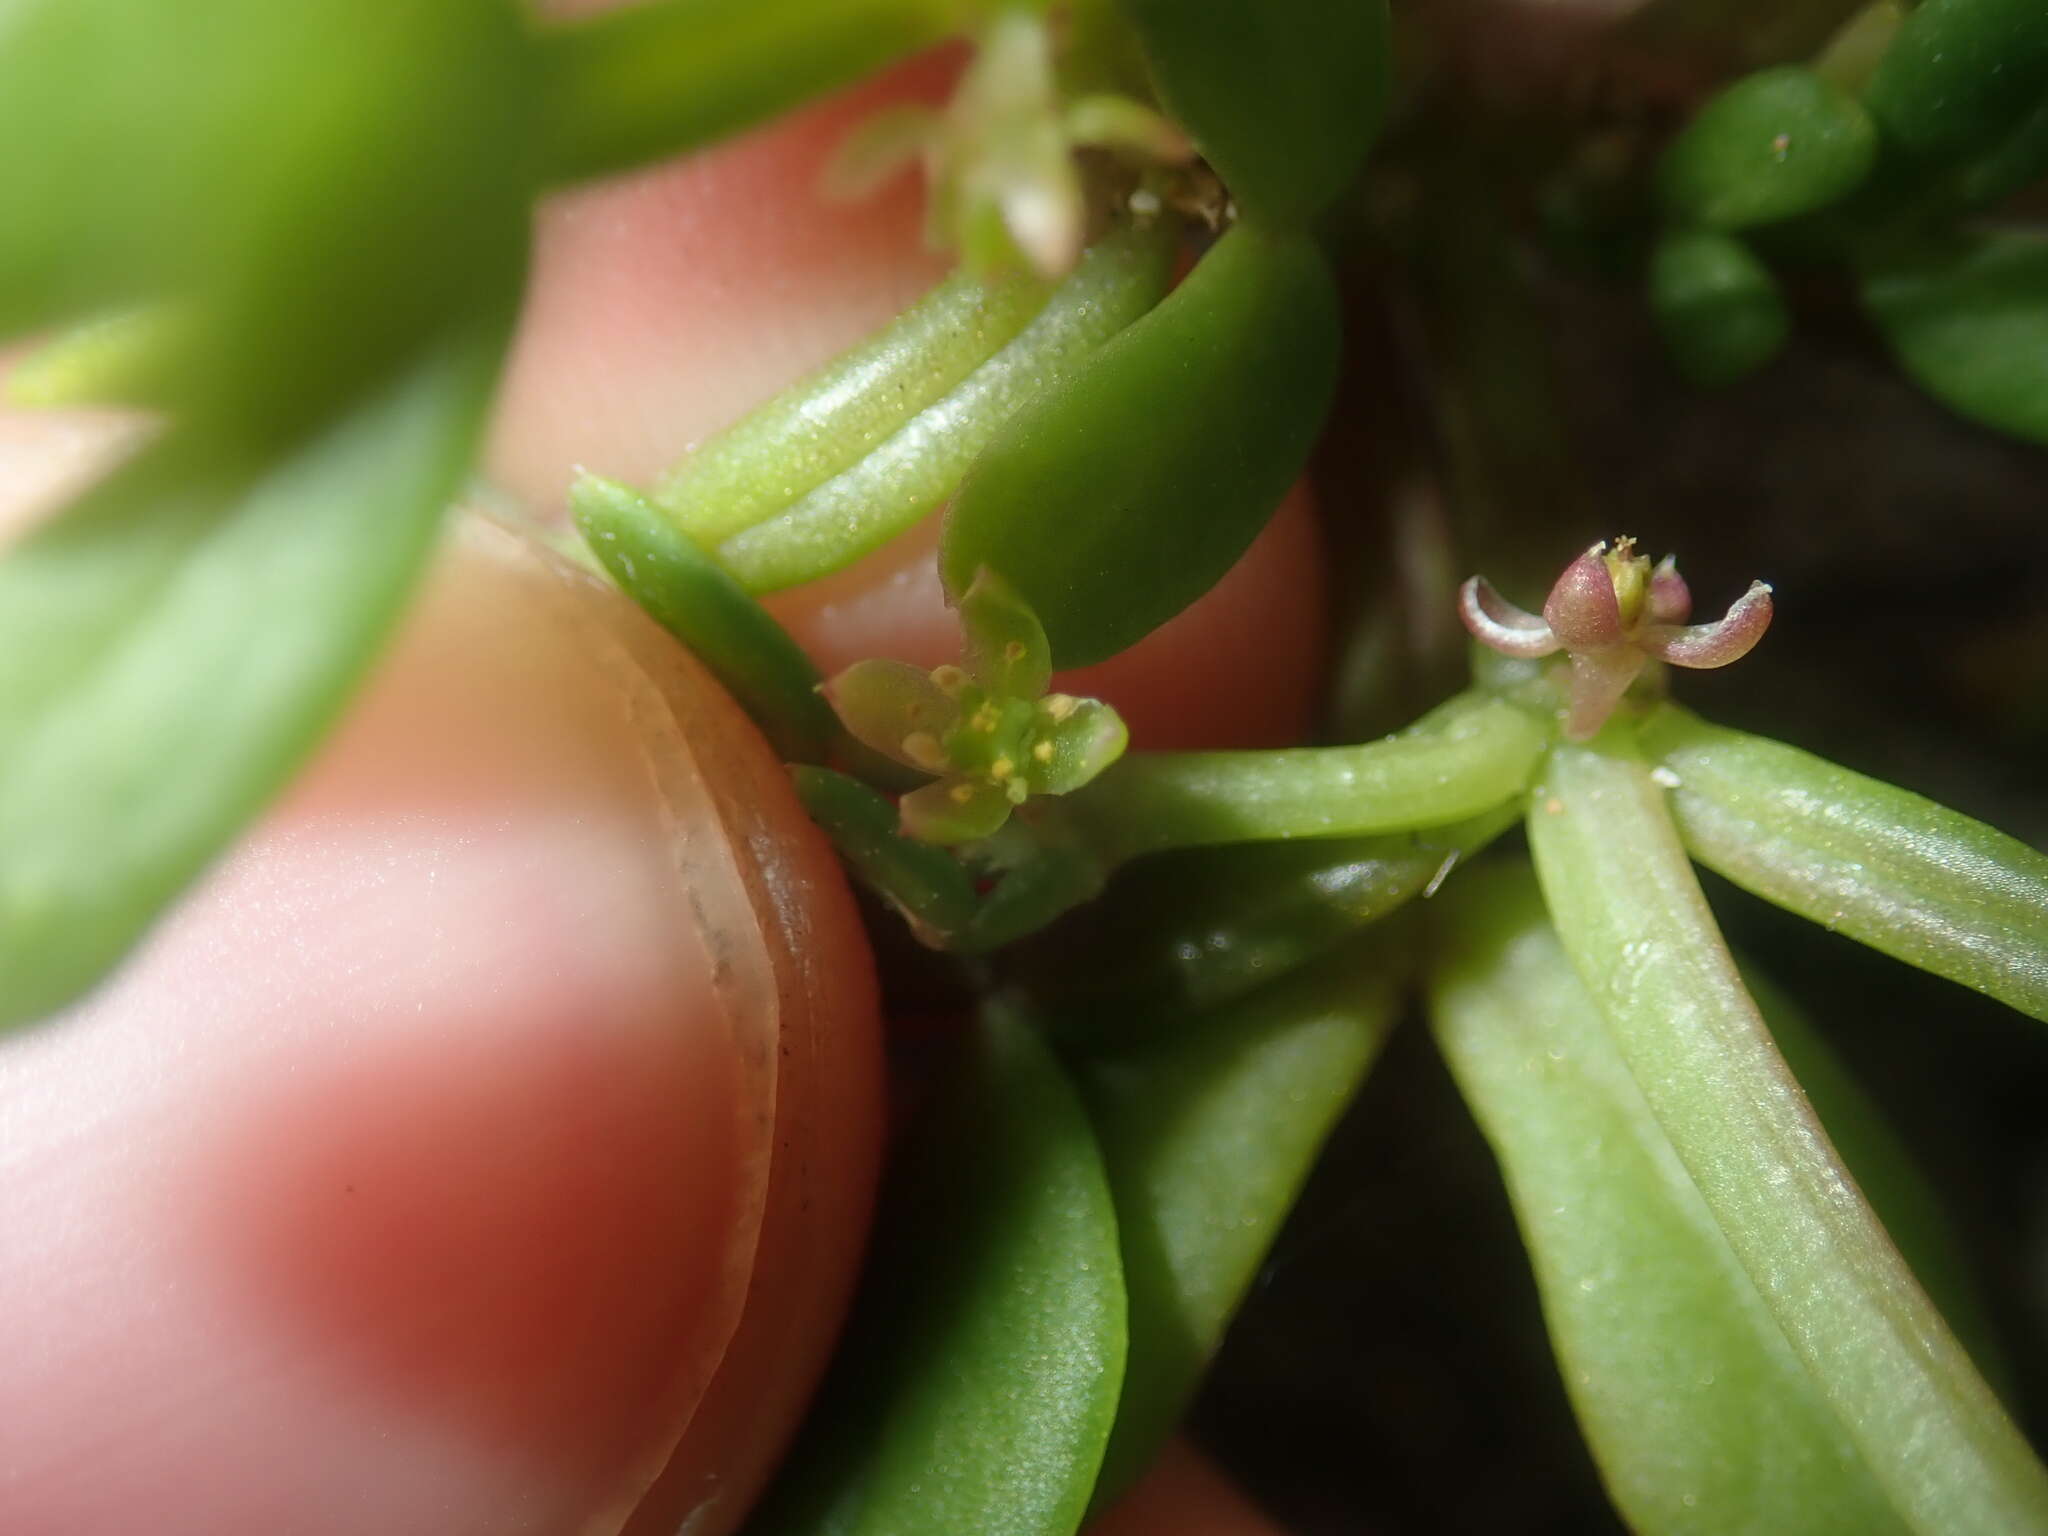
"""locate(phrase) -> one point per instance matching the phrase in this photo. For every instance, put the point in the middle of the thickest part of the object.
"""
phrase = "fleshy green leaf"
(1112, 503)
(826, 423)
(1283, 97)
(913, 471)
(1697, 1411)
(1718, 308)
(1774, 145)
(1968, 318)
(1631, 916)
(1880, 864)
(1197, 929)
(1460, 760)
(643, 81)
(924, 883)
(172, 647)
(987, 1349)
(689, 596)
(1209, 1129)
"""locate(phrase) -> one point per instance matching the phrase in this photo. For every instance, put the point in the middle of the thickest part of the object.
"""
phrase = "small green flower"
(987, 729)
(1000, 156)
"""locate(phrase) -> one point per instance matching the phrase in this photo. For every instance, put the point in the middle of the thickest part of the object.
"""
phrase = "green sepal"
(1006, 650)
(1888, 868)
(1718, 308)
(955, 810)
(986, 1350)
(1774, 145)
(895, 709)
(1209, 1129)
(1283, 97)
(1113, 503)
(686, 592)
(1968, 318)
(926, 884)
(174, 645)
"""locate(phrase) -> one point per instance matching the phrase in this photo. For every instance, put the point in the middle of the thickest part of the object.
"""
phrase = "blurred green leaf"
(1283, 97)
(655, 78)
(1880, 864)
(1210, 1128)
(1631, 916)
(1774, 145)
(1959, 75)
(174, 645)
(1718, 308)
(1701, 1417)
(1114, 502)
(1968, 318)
(987, 1349)
(316, 185)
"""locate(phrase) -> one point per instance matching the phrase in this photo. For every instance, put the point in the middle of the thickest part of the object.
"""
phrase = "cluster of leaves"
(1187, 961)
(1909, 123)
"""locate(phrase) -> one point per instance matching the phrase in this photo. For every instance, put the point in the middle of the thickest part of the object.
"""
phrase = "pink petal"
(1713, 645)
(1599, 679)
(1670, 599)
(1582, 609)
(1499, 625)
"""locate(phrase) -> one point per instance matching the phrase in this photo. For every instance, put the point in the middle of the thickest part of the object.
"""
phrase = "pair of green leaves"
(1701, 1414)
(1059, 1254)
(1931, 1437)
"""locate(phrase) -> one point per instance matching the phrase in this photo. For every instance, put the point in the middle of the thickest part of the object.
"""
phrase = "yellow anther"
(949, 680)
(1042, 752)
(987, 718)
(1001, 769)
(1059, 705)
(960, 794)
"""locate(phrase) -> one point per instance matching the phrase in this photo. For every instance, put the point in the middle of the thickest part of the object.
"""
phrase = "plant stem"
(1463, 758)
(1634, 921)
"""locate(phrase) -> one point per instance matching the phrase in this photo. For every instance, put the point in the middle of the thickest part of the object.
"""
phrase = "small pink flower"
(1609, 612)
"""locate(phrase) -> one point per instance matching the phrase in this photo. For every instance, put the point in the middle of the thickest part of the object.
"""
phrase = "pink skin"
(412, 1175)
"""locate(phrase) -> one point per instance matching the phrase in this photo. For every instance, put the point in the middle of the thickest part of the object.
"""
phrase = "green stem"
(914, 471)
(656, 78)
(1462, 759)
(1636, 925)
(1880, 864)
